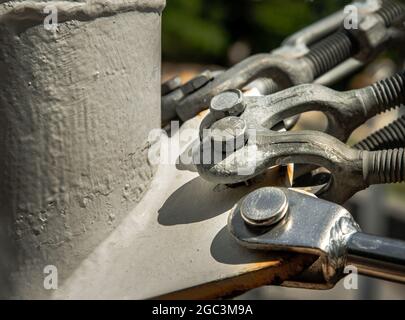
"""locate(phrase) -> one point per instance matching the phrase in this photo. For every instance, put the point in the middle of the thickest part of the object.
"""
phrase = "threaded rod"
(330, 52)
(389, 93)
(390, 137)
(391, 11)
(385, 166)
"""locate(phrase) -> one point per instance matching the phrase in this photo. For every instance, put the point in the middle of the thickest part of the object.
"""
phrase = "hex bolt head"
(227, 103)
(197, 82)
(170, 85)
(228, 134)
(264, 207)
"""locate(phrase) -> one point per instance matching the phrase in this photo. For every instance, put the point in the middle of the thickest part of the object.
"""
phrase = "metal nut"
(170, 85)
(197, 82)
(370, 34)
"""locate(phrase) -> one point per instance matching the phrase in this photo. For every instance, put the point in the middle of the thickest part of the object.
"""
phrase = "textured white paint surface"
(76, 107)
(176, 238)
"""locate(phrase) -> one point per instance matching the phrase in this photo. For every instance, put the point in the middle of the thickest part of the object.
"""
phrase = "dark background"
(203, 31)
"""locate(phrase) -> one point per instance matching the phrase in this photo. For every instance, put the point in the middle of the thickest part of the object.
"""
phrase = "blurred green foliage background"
(204, 30)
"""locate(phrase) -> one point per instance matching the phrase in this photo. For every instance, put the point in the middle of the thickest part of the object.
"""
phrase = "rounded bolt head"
(264, 207)
(228, 134)
(227, 103)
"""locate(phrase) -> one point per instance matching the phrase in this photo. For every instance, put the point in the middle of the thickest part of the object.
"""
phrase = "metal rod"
(376, 256)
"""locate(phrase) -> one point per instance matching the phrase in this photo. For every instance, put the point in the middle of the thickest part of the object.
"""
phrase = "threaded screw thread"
(385, 166)
(330, 52)
(391, 11)
(390, 93)
(389, 137)
(338, 47)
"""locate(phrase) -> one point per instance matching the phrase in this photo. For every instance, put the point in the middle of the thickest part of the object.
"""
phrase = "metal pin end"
(264, 207)
(227, 103)
(228, 134)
